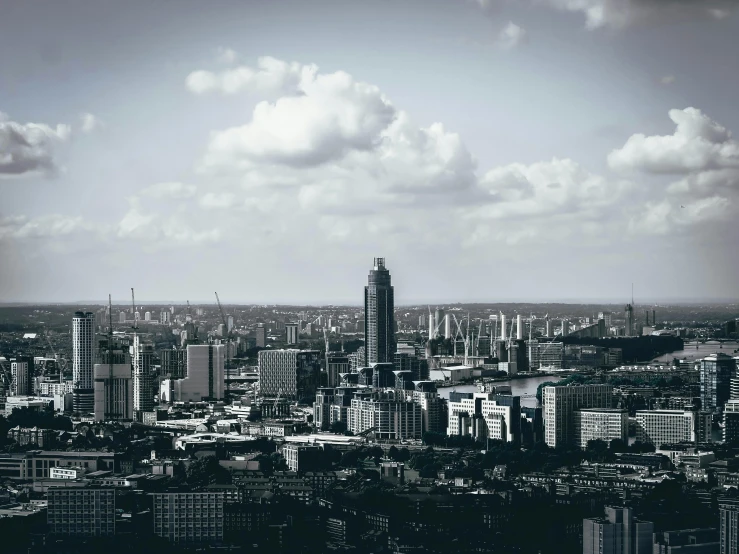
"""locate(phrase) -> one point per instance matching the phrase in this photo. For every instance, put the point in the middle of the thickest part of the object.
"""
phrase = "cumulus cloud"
(42, 227)
(29, 147)
(90, 123)
(698, 143)
(511, 36)
(622, 13)
(271, 76)
(334, 115)
(212, 200)
(705, 156)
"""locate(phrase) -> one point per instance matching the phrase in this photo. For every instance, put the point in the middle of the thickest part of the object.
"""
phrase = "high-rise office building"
(379, 315)
(230, 323)
(21, 375)
(83, 357)
(617, 533)
(143, 376)
(716, 372)
(729, 533)
(113, 382)
(731, 422)
(560, 403)
(336, 364)
(694, 541)
(174, 363)
(261, 335)
(291, 374)
(291, 333)
(204, 378)
(390, 414)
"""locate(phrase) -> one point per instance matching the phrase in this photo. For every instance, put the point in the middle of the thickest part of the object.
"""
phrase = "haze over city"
(490, 150)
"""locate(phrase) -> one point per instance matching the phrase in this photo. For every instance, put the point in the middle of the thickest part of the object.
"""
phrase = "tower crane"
(228, 345)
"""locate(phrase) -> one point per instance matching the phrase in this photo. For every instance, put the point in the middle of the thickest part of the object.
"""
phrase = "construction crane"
(61, 363)
(111, 397)
(465, 337)
(228, 345)
(325, 340)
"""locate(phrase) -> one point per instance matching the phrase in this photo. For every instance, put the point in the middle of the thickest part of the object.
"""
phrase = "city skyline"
(534, 136)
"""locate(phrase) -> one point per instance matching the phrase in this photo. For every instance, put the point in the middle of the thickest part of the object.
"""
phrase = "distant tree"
(338, 427)
(393, 453)
(207, 470)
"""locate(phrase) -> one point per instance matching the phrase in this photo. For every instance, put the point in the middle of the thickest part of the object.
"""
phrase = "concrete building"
(302, 458)
(716, 372)
(325, 398)
(660, 427)
(686, 541)
(560, 404)
(291, 333)
(605, 424)
(485, 415)
(40, 437)
(81, 511)
(390, 414)
(261, 335)
(617, 533)
(36, 403)
(545, 355)
(731, 422)
(292, 374)
(114, 392)
(336, 364)
(143, 377)
(379, 316)
(21, 376)
(729, 532)
(204, 378)
(434, 416)
(83, 358)
(188, 517)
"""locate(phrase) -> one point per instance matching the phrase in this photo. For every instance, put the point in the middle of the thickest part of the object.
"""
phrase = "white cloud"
(622, 13)
(271, 76)
(90, 123)
(698, 143)
(511, 36)
(171, 190)
(44, 227)
(667, 80)
(661, 217)
(29, 147)
(226, 56)
(212, 200)
(333, 115)
(140, 224)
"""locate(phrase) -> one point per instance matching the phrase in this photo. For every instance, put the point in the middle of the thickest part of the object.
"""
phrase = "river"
(692, 353)
(519, 387)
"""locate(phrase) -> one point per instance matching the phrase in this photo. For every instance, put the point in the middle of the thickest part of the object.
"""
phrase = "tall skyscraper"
(21, 374)
(261, 335)
(143, 379)
(716, 372)
(83, 357)
(729, 535)
(113, 384)
(379, 315)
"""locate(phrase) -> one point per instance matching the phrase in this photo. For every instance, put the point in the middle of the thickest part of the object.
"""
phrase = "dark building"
(729, 534)
(379, 316)
(174, 363)
(716, 372)
(81, 511)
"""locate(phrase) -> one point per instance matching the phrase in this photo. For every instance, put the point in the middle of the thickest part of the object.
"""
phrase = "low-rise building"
(188, 517)
(660, 427)
(81, 511)
(605, 424)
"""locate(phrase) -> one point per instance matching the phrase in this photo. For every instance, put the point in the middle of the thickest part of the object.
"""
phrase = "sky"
(490, 150)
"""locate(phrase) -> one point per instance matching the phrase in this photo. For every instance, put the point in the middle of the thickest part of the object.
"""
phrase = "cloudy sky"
(489, 149)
